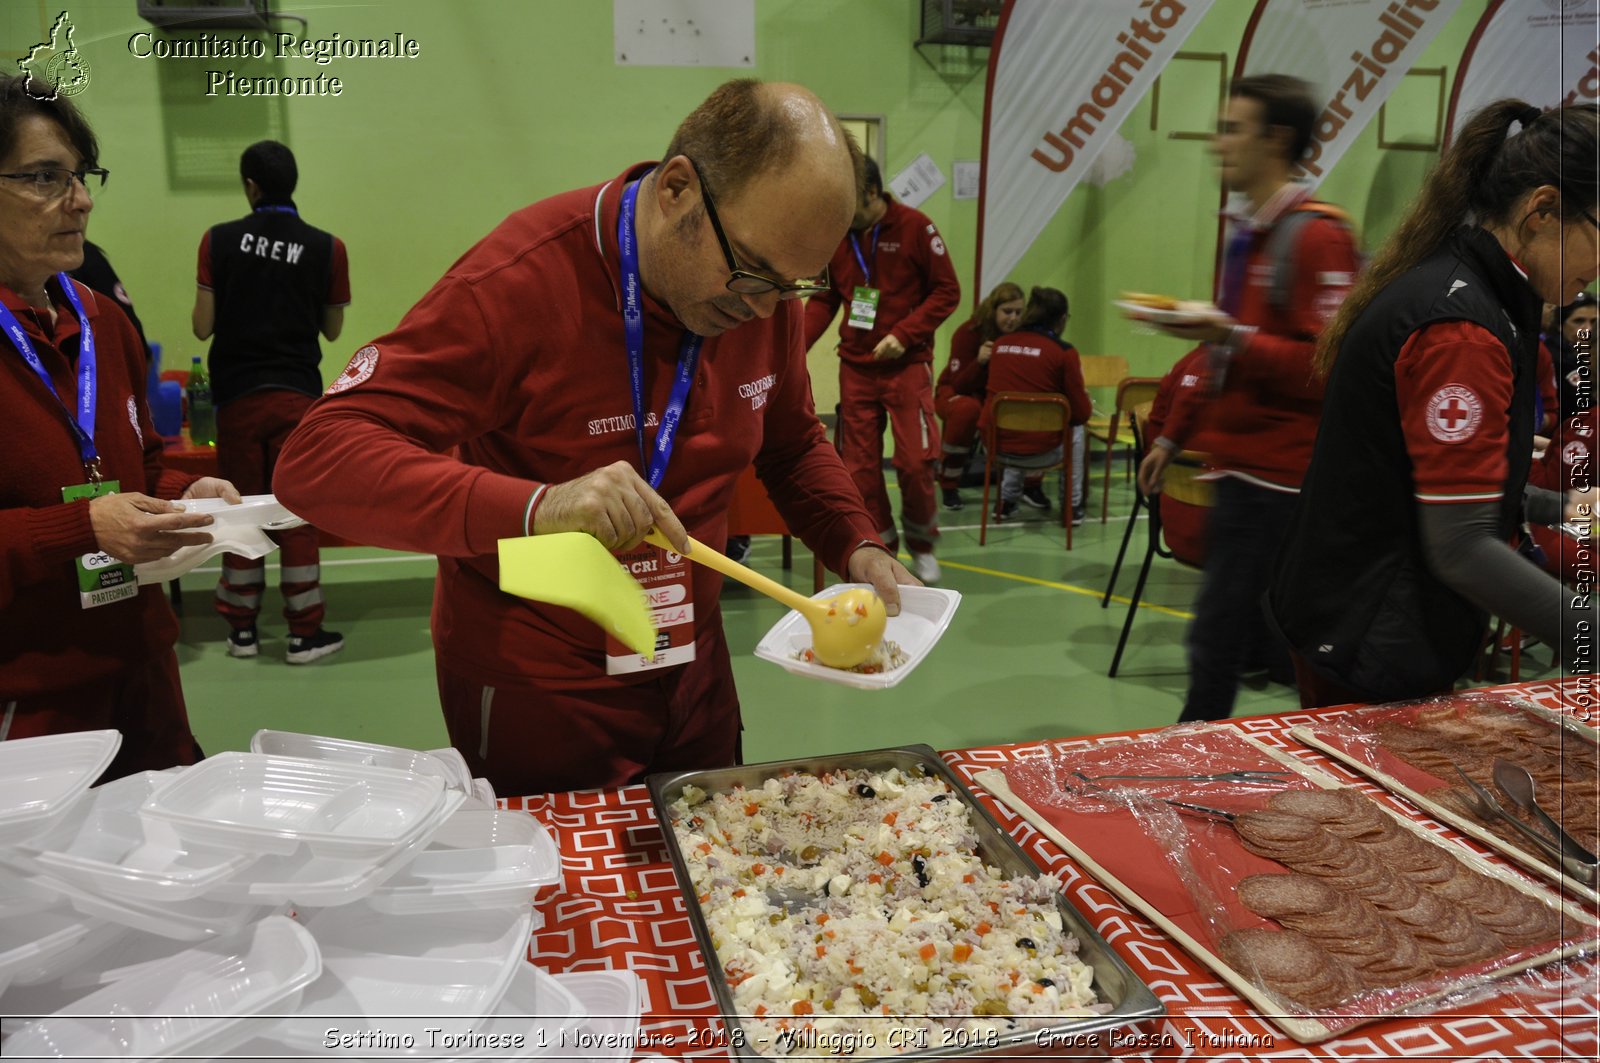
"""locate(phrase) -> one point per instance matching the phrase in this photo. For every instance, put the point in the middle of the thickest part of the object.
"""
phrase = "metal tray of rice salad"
(866, 904)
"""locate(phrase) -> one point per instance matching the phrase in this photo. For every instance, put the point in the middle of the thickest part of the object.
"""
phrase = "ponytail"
(1481, 178)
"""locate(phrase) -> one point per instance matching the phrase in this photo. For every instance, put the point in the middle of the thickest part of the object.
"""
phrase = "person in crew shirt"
(1401, 548)
(501, 405)
(1034, 358)
(894, 278)
(268, 283)
(1264, 402)
(964, 382)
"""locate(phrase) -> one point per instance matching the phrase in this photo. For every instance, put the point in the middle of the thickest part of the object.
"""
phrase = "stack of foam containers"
(247, 906)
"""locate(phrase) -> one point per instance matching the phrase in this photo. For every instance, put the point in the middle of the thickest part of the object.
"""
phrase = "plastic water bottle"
(202, 415)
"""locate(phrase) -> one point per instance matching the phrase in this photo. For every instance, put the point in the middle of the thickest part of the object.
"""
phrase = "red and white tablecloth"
(619, 907)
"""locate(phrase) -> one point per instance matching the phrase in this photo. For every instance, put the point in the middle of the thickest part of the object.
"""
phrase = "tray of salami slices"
(1433, 752)
(1323, 907)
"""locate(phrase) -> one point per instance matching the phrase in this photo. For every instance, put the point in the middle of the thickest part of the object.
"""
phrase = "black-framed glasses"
(743, 281)
(55, 183)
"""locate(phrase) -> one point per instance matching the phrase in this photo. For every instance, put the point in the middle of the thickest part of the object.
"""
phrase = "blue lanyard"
(865, 272)
(633, 334)
(83, 426)
(277, 210)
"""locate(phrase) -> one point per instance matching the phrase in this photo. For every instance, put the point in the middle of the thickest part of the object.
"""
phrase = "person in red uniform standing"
(534, 390)
(1034, 358)
(893, 275)
(268, 283)
(964, 382)
(83, 495)
(1264, 401)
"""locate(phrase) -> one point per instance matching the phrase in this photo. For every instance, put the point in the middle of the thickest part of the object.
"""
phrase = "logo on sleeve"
(1574, 452)
(133, 419)
(938, 245)
(1454, 414)
(359, 371)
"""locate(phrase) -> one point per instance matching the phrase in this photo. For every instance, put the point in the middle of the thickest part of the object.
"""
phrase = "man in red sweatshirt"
(1288, 265)
(605, 361)
(893, 275)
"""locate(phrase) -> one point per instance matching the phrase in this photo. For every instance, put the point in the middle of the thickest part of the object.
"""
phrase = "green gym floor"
(1024, 659)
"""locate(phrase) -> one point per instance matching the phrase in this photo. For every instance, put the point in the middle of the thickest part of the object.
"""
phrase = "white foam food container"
(40, 778)
(478, 859)
(415, 972)
(925, 613)
(262, 511)
(612, 1000)
(350, 751)
(303, 878)
(194, 1003)
(105, 846)
(259, 803)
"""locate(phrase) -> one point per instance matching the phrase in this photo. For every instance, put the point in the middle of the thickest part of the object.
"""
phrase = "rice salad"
(852, 915)
(885, 658)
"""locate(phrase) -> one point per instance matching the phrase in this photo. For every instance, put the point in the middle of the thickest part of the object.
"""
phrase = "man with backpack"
(1288, 263)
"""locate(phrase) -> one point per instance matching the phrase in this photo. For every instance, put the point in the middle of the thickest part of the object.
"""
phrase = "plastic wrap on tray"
(1338, 909)
(1416, 749)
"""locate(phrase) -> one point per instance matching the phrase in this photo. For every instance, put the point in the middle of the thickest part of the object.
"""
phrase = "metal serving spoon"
(1514, 780)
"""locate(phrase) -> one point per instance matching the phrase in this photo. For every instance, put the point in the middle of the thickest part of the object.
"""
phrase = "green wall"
(511, 100)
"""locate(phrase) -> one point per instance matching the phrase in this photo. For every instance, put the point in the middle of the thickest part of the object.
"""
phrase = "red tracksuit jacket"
(1034, 361)
(1264, 420)
(963, 374)
(912, 271)
(512, 370)
(47, 641)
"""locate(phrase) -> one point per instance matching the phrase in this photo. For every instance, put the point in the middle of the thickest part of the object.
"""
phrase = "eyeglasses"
(742, 280)
(53, 184)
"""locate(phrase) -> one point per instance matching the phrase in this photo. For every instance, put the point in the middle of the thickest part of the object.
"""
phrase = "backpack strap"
(1281, 244)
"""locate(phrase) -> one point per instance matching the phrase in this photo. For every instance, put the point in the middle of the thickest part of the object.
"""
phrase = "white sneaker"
(925, 567)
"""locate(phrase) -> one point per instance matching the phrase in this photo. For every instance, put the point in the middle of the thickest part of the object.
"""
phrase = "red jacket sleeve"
(944, 292)
(1180, 401)
(963, 371)
(1280, 362)
(821, 308)
(389, 437)
(804, 474)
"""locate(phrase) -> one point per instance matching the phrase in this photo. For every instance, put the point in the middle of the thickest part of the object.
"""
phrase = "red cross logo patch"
(1454, 413)
(358, 371)
(1574, 452)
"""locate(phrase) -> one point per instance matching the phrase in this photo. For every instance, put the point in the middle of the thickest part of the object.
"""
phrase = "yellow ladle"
(845, 629)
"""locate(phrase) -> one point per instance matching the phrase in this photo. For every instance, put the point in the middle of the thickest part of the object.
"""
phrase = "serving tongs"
(1517, 784)
(1578, 862)
(1200, 811)
(1216, 776)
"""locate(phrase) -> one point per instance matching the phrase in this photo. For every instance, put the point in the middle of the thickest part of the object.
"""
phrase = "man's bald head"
(748, 129)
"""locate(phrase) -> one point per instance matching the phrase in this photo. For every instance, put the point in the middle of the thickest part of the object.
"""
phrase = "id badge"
(102, 579)
(664, 575)
(863, 307)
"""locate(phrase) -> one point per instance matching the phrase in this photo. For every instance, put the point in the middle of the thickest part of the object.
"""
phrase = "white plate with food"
(925, 613)
(1165, 310)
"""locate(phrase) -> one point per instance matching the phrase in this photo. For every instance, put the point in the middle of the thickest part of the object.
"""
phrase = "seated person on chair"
(958, 396)
(1034, 358)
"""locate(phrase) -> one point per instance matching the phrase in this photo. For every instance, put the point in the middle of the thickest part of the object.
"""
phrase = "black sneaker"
(738, 547)
(952, 499)
(1078, 514)
(303, 649)
(1004, 512)
(244, 642)
(1033, 495)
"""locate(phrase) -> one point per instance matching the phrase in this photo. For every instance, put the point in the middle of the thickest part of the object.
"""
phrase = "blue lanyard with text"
(83, 424)
(633, 333)
(865, 272)
(277, 210)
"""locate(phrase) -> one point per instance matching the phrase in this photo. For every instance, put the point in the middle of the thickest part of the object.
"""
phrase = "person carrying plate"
(1288, 264)
(1400, 549)
(83, 495)
(606, 360)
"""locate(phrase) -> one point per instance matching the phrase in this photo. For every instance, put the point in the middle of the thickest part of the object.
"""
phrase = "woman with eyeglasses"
(1399, 551)
(83, 496)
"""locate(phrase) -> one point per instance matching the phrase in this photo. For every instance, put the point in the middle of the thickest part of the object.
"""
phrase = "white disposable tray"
(262, 511)
(41, 777)
(413, 972)
(105, 846)
(192, 1004)
(259, 803)
(612, 999)
(349, 751)
(478, 859)
(925, 612)
(32, 934)
(195, 919)
(456, 765)
(311, 881)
